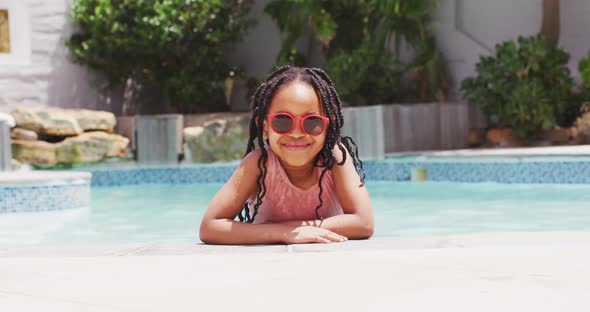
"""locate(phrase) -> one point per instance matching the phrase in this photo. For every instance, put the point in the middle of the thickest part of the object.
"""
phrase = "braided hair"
(324, 88)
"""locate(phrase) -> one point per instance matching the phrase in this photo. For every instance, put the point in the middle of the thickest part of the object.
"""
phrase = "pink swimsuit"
(285, 202)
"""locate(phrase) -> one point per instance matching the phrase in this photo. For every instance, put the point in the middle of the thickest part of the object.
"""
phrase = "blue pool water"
(171, 213)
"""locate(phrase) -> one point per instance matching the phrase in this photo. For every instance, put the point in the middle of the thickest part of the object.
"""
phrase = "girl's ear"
(264, 128)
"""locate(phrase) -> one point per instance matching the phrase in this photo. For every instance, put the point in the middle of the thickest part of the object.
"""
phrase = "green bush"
(584, 68)
(354, 37)
(174, 45)
(525, 85)
(365, 76)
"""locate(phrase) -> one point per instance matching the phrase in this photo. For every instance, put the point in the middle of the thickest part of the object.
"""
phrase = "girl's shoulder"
(250, 165)
(255, 154)
(251, 159)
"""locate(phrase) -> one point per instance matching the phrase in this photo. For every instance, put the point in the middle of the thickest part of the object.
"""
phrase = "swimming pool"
(172, 212)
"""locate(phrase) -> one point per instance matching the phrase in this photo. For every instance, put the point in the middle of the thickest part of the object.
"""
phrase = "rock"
(63, 122)
(581, 129)
(47, 121)
(34, 152)
(23, 134)
(502, 137)
(222, 139)
(95, 120)
(91, 146)
(87, 147)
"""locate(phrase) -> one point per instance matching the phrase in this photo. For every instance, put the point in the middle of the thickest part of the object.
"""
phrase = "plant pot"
(476, 137)
(502, 137)
(556, 136)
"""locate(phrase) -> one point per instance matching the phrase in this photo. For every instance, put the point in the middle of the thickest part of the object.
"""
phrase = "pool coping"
(563, 150)
(476, 240)
(23, 178)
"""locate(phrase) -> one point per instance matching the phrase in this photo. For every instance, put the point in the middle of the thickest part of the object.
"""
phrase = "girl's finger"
(335, 237)
(322, 240)
(344, 238)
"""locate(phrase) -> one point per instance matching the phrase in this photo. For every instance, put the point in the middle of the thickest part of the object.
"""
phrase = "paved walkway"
(487, 272)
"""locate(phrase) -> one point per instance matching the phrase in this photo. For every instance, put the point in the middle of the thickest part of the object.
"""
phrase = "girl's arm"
(219, 227)
(357, 220)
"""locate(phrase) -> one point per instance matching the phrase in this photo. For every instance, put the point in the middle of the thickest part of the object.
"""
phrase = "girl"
(304, 184)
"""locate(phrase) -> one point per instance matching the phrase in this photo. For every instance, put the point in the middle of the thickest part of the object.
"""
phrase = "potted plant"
(525, 88)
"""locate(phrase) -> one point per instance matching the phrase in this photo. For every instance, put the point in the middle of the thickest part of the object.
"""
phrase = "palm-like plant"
(410, 21)
(353, 31)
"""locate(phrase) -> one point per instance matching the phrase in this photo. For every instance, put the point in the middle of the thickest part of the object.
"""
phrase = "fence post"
(158, 139)
(365, 126)
(5, 147)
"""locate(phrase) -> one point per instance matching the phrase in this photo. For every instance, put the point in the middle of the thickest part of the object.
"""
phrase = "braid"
(332, 108)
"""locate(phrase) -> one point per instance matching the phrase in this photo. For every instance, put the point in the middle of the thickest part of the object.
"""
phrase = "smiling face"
(295, 149)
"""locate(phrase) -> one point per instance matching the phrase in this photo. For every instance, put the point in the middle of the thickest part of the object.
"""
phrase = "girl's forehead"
(296, 97)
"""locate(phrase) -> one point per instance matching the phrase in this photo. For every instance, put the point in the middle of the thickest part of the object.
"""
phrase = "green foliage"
(584, 68)
(350, 30)
(526, 86)
(410, 21)
(177, 45)
(365, 76)
(292, 15)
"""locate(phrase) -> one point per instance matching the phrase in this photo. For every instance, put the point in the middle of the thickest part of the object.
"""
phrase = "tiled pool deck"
(482, 272)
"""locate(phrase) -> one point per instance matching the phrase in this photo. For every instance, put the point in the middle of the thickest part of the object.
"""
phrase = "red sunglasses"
(284, 123)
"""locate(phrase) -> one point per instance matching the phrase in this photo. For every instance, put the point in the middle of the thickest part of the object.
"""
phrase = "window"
(15, 33)
(4, 32)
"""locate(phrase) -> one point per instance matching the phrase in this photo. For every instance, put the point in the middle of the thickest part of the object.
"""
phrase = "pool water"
(171, 213)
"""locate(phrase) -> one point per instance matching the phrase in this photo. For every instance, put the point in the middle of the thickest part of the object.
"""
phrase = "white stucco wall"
(258, 50)
(50, 79)
(466, 29)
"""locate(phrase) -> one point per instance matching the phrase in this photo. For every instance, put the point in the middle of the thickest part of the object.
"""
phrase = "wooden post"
(550, 24)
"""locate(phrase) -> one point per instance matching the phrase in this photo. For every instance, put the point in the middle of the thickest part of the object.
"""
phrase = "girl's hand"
(312, 234)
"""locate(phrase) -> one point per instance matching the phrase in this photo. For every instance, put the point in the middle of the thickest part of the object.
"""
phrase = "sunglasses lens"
(282, 123)
(313, 125)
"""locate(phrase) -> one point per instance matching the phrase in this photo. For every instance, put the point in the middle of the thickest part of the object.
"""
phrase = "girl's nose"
(298, 131)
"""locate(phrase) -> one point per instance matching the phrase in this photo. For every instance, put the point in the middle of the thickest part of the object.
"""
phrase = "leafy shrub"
(584, 68)
(525, 85)
(365, 76)
(174, 45)
(354, 37)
